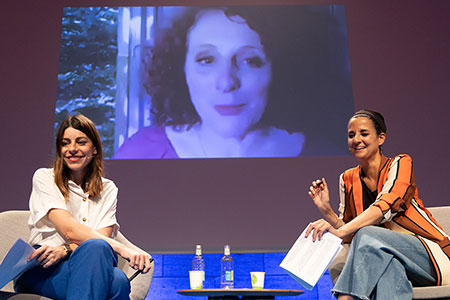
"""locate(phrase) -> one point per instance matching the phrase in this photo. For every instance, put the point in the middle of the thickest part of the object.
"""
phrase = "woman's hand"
(48, 255)
(318, 191)
(138, 260)
(319, 227)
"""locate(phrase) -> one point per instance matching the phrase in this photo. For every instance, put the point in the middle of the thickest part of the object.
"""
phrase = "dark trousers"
(90, 273)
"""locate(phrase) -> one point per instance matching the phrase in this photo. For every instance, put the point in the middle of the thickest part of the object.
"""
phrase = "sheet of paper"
(306, 261)
(16, 262)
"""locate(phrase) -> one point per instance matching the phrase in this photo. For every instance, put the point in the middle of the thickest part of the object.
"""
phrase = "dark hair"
(93, 177)
(305, 78)
(376, 118)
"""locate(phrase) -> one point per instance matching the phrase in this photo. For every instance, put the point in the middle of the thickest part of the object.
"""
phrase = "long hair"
(92, 181)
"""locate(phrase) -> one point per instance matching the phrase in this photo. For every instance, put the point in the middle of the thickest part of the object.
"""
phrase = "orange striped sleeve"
(399, 188)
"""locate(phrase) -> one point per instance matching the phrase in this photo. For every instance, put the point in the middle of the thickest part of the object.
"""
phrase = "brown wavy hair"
(92, 181)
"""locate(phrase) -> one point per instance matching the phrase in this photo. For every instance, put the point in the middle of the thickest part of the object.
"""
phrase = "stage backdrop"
(399, 65)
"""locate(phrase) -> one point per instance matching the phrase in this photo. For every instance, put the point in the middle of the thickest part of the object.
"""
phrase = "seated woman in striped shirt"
(395, 242)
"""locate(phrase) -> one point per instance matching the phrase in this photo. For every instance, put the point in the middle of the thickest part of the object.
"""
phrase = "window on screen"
(208, 82)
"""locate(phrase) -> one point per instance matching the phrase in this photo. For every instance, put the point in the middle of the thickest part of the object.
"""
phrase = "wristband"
(67, 249)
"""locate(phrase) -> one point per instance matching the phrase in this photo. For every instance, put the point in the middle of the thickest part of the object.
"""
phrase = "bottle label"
(229, 276)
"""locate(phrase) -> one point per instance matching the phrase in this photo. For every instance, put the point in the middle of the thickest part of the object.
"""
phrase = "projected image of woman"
(73, 223)
(220, 87)
(395, 242)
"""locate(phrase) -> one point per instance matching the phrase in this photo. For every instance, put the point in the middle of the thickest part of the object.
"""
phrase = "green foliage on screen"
(87, 69)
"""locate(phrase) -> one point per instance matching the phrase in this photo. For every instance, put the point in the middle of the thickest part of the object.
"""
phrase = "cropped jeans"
(90, 273)
(384, 264)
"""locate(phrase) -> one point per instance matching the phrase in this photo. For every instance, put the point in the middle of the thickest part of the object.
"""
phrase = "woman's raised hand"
(318, 191)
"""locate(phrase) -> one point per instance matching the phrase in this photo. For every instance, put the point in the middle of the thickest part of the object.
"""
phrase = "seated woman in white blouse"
(73, 223)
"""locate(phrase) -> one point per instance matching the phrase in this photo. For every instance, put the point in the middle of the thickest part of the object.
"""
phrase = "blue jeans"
(90, 273)
(384, 264)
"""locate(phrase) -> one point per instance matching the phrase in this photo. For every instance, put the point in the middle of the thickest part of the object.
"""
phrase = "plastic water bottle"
(227, 269)
(198, 262)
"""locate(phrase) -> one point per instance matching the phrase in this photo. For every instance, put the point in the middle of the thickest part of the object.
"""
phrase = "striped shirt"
(402, 209)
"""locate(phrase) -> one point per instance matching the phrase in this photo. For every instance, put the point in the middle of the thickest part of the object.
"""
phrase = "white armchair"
(13, 224)
(442, 216)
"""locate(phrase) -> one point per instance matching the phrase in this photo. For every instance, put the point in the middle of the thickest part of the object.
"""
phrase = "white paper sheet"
(306, 261)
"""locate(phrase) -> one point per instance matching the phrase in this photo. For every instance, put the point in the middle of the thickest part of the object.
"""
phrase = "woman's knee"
(368, 230)
(94, 246)
(368, 237)
(369, 233)
(96, 251)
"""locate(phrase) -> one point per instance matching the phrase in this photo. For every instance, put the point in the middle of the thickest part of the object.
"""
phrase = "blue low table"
(240, 294)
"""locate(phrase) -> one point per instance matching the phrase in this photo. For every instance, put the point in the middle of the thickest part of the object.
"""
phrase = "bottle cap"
(226, 250)
(198, 250)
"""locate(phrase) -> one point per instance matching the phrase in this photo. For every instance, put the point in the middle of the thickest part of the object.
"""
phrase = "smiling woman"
(391, 232)
(72, 210)
(242, 82)
(77, 150)
(77, 143)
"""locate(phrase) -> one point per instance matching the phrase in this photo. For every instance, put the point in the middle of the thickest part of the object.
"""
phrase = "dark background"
(400, 65)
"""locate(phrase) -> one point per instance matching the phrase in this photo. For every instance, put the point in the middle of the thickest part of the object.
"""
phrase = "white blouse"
(95, 213)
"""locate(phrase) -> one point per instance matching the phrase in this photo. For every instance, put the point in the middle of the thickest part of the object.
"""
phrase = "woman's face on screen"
(227, 72)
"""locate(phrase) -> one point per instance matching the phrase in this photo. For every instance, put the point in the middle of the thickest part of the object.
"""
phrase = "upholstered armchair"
(442, 216)
(13, 225)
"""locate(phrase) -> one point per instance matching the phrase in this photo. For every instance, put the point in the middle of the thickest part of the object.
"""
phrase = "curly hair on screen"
(296, 41)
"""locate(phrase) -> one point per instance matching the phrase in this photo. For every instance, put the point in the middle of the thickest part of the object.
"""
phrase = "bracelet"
(67, 249)
(336, 225)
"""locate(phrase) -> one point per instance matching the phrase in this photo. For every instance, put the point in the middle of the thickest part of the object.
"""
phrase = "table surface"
(240, 292)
